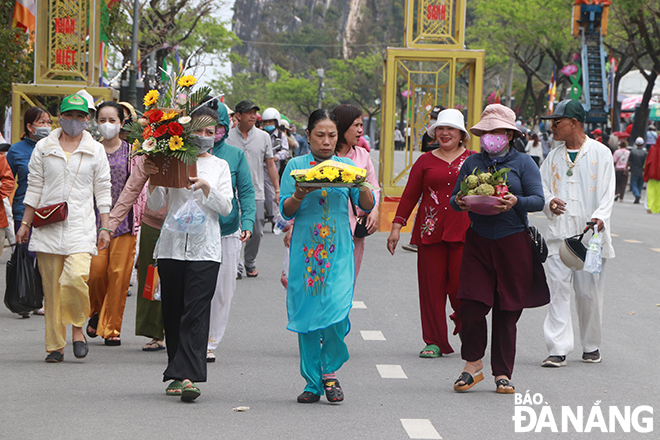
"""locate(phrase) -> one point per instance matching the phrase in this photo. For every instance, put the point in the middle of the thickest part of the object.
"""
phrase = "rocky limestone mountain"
(302, 34)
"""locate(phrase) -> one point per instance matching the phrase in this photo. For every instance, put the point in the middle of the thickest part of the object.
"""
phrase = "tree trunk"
(509, 83)
(642, 113)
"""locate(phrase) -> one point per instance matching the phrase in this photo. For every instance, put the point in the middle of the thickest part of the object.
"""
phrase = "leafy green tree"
(641, 22)
(533, 33)
(358, 81)
(166, 25)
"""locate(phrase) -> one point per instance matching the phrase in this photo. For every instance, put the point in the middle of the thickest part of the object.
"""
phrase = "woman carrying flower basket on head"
(349, 124)
(110, 272)
(322, 264)
(188, 262)
(439, 232)
(499, 270)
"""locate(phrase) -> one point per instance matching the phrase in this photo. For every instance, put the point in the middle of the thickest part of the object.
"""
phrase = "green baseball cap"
(74, 102)
(568, 108)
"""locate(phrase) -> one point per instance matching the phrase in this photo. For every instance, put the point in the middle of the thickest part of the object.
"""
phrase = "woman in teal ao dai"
(321, 263)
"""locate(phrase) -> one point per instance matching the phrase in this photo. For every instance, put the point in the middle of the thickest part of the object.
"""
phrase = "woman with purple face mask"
(499, 271)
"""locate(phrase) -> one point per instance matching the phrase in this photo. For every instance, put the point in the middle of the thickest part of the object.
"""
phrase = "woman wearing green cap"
(67, 166)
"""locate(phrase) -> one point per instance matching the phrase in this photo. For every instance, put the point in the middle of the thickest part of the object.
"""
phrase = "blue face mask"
(269, 128)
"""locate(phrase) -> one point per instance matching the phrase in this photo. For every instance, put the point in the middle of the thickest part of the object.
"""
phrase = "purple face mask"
(220, 133)
(494, 143)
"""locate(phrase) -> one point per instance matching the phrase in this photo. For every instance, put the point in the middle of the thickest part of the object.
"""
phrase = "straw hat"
(449, 118)
(495, 117)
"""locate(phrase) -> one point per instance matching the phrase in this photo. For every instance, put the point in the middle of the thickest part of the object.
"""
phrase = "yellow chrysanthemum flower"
(347, 176)
(187, 81)
(171, 114)
(313, 175)
(176, 142)
(330, 173)
(136, 145)
(151, 98)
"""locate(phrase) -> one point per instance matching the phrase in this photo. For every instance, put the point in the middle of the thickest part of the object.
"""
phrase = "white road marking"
(372, 335)
(655, 249)
(391, 372)
(420, 428)
(632, 241)
(614, 235)
(359, 305)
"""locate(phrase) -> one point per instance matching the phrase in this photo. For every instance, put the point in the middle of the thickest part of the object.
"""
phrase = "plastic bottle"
(280, 224)
(593, 262)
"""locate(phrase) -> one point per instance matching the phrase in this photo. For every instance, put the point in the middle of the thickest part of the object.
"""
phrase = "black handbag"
(539, 246)
(361, 224)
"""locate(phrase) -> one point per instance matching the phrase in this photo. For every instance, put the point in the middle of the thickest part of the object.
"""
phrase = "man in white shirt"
(258, 149)
(578, 182)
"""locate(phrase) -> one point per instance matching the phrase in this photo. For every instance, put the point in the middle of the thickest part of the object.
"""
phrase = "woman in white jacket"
(69, 166)
(188, 263)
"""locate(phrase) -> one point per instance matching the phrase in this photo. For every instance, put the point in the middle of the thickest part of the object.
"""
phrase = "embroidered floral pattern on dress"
(430, 219)
(319, 253)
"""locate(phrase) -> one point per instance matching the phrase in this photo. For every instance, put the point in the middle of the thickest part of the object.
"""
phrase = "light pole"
(132, 80)
(320, 73)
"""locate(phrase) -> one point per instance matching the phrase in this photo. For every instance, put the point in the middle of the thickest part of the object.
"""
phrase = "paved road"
(116, 392)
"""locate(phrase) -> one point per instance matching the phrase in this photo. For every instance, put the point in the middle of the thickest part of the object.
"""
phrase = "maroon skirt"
(505, 269)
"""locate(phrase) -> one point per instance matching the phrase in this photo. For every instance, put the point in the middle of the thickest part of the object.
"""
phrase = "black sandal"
(502, 386)
(333, 391)
(93, 323)
(469, 381)
(308, 397)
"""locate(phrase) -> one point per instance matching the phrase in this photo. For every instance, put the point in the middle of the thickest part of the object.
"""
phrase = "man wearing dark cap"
(258, 149)
(578, 184)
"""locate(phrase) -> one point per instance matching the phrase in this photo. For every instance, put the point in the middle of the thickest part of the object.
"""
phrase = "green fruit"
(472, 181)
(471, 193)
(484, 177)
(485, 189)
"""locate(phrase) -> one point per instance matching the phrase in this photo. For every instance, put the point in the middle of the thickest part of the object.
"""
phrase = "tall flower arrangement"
(166, 126)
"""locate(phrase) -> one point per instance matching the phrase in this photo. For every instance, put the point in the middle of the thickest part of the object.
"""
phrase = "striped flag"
(24, 15)
(552, 91)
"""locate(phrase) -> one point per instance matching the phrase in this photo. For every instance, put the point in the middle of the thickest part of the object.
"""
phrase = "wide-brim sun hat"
(449, 118)
(496, 117)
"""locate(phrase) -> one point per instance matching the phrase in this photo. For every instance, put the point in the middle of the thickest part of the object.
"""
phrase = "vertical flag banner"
(552, 90)
(25, 12)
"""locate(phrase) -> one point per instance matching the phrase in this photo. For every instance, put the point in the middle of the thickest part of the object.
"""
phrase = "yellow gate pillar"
(66, 56)
(433, 70)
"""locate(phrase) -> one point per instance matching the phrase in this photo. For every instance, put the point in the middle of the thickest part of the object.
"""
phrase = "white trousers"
(224, 288)
(558, 327)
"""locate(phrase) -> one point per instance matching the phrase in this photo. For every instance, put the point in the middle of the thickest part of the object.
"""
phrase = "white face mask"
(108, 130)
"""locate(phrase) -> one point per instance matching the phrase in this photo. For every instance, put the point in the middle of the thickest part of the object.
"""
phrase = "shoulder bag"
(539, 246)
(47, 215)
(361, 224)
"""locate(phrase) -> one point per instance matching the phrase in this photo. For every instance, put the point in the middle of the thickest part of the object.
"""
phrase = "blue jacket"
(241, 183)
(524, 181)
(18, 157)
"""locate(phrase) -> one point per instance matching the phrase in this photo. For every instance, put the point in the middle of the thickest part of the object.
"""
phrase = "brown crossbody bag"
(47, 215)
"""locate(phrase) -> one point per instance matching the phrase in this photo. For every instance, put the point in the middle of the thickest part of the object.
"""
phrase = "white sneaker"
(210, 357)
(554, 361)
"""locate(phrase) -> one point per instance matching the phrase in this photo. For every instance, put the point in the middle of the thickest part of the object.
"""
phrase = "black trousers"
(187, 288)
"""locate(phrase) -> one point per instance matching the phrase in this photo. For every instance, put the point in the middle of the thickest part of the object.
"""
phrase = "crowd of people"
(119, 220)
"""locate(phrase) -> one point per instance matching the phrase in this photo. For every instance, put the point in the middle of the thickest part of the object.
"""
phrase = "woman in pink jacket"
(350, 129)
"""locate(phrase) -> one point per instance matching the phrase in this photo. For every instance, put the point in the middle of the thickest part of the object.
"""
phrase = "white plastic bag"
(189, 219)
(593, 262)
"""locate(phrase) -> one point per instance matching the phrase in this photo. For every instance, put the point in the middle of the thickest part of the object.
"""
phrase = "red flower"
(175, 128)
(146, 133)
(160, 131)
(154, 115)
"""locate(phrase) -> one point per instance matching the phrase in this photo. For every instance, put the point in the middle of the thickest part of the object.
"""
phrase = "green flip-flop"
(434, 349)
(190, 391)
(174, 388)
